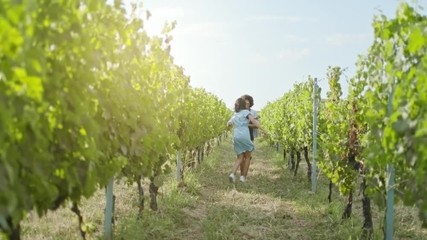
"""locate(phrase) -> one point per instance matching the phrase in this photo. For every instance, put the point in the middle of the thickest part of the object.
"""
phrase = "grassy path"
(261, 208)
(272, 204)
(264, 207)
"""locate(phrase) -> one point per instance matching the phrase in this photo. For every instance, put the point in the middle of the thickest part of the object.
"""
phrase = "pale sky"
(261, 48)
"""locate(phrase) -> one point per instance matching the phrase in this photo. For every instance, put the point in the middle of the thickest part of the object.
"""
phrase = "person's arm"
(251, 125)
(255, 115)
(253, 122)
(230, 122)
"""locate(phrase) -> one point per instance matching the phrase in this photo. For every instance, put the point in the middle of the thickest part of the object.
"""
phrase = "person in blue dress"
(243, 146)
(253, 131)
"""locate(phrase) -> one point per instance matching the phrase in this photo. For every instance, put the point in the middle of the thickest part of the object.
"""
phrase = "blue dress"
(241, 137)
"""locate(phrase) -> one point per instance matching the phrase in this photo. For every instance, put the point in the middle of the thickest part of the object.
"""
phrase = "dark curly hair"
(249, 98)
(240, 104)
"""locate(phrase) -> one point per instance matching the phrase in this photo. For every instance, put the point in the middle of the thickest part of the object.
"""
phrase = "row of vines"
(85, 95)
(383, 120)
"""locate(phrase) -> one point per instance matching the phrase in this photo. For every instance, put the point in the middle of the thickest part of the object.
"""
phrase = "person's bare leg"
(238, 162)
(247, 163)
(242, 166)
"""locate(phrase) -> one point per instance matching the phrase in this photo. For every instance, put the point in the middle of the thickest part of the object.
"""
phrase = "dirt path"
(273, 204)
(261, 208)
